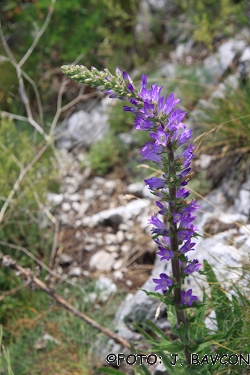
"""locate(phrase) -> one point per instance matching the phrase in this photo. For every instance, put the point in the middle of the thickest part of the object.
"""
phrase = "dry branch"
(7, 261)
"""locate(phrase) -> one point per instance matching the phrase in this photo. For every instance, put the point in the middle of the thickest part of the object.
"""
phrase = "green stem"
(180, 314)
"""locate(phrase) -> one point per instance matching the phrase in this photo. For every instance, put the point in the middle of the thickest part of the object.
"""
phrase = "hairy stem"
(180, 314)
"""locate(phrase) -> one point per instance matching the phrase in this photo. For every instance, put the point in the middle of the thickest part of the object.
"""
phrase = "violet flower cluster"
(156, 114)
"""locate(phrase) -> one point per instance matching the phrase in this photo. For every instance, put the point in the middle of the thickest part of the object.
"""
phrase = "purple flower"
(182, 193)
(156, 222)
(155, 93)
(188, 156)
(166, 254)
(142, 124)
(191, 207)
(160, 137)
(126, 77)
(175, 120)
(155, 183)
(144, 79)
(187, 298)
(152, 95)
(177, 216)
(167, 106)
(109, 91)
(135, 102)
(192, 267)
(163, 282)
(187, 246)
(130, 87)
(130, 109)
(166, 241)
(186, 220)
(151, 152)
(162, 208)
(184, 235)
(184, 137)
(148, 110)
(118, 72)
(160, 226)
(188, 153)
(184, 173)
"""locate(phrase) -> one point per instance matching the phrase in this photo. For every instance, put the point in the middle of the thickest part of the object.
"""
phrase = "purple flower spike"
(163, 282)
(187, 298)
(192, 267)
(155, 183)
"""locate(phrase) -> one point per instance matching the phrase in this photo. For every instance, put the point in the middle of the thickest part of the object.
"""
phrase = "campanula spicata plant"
(173, 229)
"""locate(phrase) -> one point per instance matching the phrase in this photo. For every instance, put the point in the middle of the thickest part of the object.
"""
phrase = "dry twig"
(7, 261)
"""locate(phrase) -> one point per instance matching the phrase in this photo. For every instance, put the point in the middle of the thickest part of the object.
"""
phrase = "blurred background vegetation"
(102, 33)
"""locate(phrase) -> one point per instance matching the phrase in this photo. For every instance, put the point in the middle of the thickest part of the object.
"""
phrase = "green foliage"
(106, 154)
(4, 356)
(226, 136)
(39, 315)
(101, 32)
(211, 19)
(119, 120)
(231, 337)
(20, 223)
(93, 28)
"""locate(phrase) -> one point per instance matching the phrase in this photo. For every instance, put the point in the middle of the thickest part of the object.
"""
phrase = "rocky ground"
(103, 222)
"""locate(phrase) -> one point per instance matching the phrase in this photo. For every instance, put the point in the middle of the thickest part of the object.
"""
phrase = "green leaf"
(142, 331)
(238, 324)
(172, 315)
(166, 363)
(157, 330)
(142, 370)
(222, 304)
(110, 371)
(171, 347)
(163, 298)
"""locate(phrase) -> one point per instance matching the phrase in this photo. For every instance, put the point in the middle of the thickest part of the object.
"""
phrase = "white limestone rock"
(102, 260)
